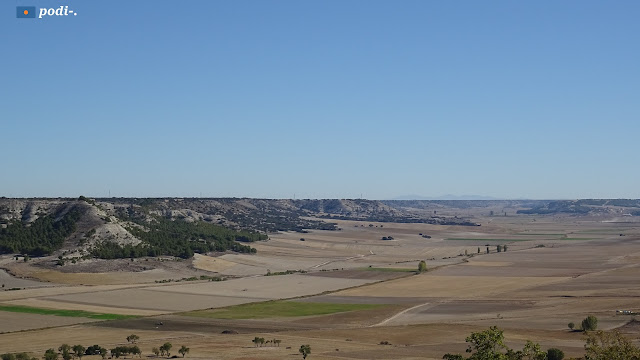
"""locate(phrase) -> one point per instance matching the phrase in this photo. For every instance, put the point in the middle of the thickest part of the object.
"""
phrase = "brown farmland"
(556, 270)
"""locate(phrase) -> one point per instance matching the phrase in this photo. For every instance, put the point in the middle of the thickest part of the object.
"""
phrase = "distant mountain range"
(446, 197)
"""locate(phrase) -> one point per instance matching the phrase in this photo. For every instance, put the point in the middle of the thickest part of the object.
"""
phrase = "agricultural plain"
(355, 291)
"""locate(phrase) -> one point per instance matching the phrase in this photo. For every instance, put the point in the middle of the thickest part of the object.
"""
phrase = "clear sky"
(321, 99)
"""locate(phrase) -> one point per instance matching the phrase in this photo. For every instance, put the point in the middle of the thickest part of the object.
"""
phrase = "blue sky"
(321, 99)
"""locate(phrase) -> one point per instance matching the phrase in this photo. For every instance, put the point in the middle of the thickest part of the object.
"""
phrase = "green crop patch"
(67, 313)
(273, 309)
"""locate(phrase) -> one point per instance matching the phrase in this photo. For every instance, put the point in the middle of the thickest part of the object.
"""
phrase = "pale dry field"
(585, 267)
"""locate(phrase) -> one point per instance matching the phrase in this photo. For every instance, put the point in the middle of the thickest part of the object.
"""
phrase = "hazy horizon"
(448, 197)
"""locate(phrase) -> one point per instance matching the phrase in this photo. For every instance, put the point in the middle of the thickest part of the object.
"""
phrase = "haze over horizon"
(329, 99)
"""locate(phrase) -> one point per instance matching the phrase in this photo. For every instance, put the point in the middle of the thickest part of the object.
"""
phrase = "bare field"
(546, 279)
(428, 285)
(10, 321)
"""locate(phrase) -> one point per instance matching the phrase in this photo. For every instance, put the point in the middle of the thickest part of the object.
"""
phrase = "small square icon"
(26, 12)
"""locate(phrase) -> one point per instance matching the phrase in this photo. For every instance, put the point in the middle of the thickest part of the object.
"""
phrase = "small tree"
(256, 341)
(478, 249)
(135, 350)
(590, 323)
(183, 350)
(8, 357)
(499, 248)
(305, 350)
(166, 347)
(555, 354)
(50, 354)
(156, 351)
(277, 342)
(487, 249)
(422, 266)
(79, 350)
(571, 325)
(504, 248)
(103, 352)
(133, 338)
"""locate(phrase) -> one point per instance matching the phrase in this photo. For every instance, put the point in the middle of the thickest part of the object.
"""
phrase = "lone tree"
(183, 350)
(590, 323)
(422, 266)
(555, 354)
(305, 350)
(571, 325)
(133, 338)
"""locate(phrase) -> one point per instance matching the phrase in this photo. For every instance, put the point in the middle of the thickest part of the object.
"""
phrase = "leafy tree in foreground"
(555, 354)
(489, 345)
(305, 350)
(602, 345)
(532, 351)
(453, 357)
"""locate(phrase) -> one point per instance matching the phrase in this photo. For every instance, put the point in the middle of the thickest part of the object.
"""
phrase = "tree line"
(68, 352)
(599, 345)
(41, 237)
(178, 238)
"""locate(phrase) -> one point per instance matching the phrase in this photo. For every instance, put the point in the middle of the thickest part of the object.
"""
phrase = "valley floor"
(556, 270)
